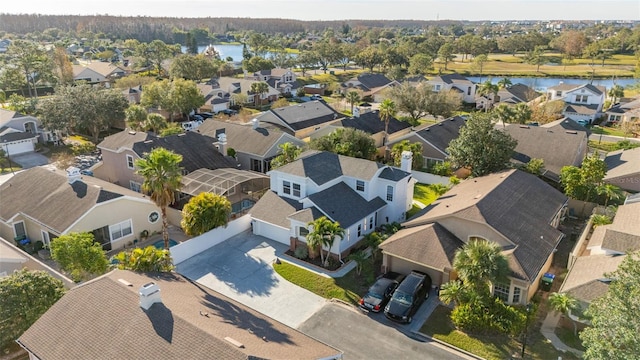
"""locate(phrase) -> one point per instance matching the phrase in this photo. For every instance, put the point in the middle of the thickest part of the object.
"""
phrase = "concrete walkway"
(548, 330)
(419, 204)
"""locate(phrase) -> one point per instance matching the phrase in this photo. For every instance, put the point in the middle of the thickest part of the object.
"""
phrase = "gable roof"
(301, 116)
(123, 140)
(622, 163)
(431, 245)
(581, 109)
(566, 124)
(8, 115)
(623, 234)
(454, 78)
(584, 279)
(102, 319)
(598, 90)
(40, 194)
(342, 204)
(440, 135)
(555, 146)
(237, 86)
(274, 209)
(244, 138)
(198, 151)
(371, 123)
(516, 204)
(371, 81)
(624, 107)
(323, 166)
(517, 93)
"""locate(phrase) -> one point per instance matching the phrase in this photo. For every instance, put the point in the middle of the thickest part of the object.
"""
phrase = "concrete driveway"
(240, 268)
(29, 160)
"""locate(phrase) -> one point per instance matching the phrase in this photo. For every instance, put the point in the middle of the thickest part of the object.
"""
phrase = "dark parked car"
(206, 115)
(380, 292)
(228, 112)
(408, 297)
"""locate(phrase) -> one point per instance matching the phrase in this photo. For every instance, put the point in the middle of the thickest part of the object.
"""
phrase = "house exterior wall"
(19, 146)
(271, 231)
(32, 228)
(533, 287)
(464, 229)
(90, 76)
(117, 211)
(592, 98)
(114, 168)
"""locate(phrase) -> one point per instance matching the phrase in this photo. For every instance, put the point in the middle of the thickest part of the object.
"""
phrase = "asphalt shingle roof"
(303, 115)
(274, 209)
(123, 140)
(440, 135)
(372, 81)
(371, 123)
(342, 204)
(622, 163)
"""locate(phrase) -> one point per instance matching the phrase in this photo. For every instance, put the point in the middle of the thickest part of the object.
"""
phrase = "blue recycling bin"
(547, 281)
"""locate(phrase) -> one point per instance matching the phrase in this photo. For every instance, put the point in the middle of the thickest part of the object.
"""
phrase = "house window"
(581, 98)
(135, 186)
(501, 291)
(118, 231)
(429, 163)
(286, 187)
(303, 231)
(516, 295)
(558, 93)
(389, 193)
(19, 230)
(614, 118)
(469, 90)
(371, 223)
(359, 230)
(130, 161)
(436, 87)
(359, 185)
(296, 190)
(46, 240)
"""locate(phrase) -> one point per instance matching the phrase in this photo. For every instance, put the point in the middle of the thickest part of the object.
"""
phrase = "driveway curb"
(446, 344)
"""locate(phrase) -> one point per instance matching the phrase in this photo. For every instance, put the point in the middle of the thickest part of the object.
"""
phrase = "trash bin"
(547, 281)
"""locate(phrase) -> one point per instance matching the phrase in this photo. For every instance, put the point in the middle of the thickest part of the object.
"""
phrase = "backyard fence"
(427, 178)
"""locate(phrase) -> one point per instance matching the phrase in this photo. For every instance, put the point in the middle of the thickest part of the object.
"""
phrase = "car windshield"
(402, 297)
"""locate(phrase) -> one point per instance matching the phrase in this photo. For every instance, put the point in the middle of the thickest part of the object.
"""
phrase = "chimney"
(406, 161)
(222, 143)
(255, 123)
(149, 295)
(73, 174)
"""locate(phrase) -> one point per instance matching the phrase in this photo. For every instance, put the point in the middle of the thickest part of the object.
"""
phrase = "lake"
(226, 50)
(541, 84)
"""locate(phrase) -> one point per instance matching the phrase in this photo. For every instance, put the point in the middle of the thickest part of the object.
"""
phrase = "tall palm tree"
(481, 263)
(323, 234)
(504, 113)
(353, 97)
(610, 192)
(288, 153)
(387, 111)
(564, 303)
(487, 89)
(522, 113)
(258, 89)
(504, 82)
(162, 174)
(332, 231)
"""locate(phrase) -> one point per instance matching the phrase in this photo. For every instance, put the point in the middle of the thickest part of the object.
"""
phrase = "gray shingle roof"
(623, 163)
(393, 174)
(518, 205)
(124, 139)
(567, 124)
(102, 319)
(274, 209)
(452, 79)
(15, 136)
(517, 93)
(371, 123)
(342, 204)
(581, 109)
(197, 150)
(302, 116)
(372, 81)
(441, 134)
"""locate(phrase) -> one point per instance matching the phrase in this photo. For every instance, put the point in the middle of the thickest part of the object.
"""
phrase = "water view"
(541, 84)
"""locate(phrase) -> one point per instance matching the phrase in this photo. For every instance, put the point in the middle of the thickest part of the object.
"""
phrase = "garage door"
(271, 231)
(405, 267)
(20, 147)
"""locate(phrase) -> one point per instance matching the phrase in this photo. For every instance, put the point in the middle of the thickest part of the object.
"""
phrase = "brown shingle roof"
(583, 279)
(102, 319)
(623, 163)
(623, 234)
(123, 140)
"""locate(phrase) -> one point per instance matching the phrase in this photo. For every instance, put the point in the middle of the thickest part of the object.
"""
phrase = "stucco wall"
(115, 170)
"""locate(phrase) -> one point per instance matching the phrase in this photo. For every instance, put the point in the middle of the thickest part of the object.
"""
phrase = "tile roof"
(123, 140)
(274, 209)
(198, 151)
(324, 166)
(244, 138)
(301, 116)
(555, 146)
(440, 135)
(518, 205)
(623, 163)
(40, 194)
(431, 245)
(583, 279)
(102, 319)
(342, 204)
(371, 123)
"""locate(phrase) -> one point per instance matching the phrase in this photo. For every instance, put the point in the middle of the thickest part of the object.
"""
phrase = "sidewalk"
(548, 330)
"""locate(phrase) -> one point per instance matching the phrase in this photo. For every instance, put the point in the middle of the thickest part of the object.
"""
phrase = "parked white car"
(191, 125)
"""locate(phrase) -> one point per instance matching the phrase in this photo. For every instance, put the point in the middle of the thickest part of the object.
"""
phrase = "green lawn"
(440, 327)
(606, 130)
(424, 193)
(613, 146)
(348, 288)
(567, 337)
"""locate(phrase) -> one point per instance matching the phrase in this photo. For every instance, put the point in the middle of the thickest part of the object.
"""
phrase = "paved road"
(240, 268)
(607, 138)
(371, 336)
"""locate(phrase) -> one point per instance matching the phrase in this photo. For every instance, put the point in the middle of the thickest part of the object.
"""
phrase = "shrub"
(231, 152)
(82, 149)
(301, 252)
(489, 316)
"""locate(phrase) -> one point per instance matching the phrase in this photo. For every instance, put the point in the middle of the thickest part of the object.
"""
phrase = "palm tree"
(135, 115)
(204, 212)
(323, 234)
(522, 113)
(352, 98)
(162, 175)
(259, 88)
(387, 111)
(453, 292)
(156, 122)
(331, 231)
(487, 89)
(504, 113)
(564, 303)
(610, 192)
(504, 82)
(289, 152)
(481, 263)
(360, 257)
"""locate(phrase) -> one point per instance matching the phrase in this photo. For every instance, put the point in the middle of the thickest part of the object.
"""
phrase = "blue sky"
(342, 9)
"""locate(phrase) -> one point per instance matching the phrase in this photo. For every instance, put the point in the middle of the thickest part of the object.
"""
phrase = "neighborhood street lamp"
(526, 328)
(6, 147)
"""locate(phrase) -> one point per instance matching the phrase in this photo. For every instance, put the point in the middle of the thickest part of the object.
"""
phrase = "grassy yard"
(607, 130)
(567, 337)
(348, 288)
(423, 193)
(612, 146)
(439, 327)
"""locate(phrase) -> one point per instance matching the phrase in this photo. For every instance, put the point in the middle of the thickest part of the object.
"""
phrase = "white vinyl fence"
(427, 178)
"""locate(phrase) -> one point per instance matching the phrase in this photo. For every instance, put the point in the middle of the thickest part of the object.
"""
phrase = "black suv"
(408, 297)
(380, 292)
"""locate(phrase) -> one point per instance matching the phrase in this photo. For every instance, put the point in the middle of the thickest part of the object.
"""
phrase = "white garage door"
(271, 231)
(20, 147)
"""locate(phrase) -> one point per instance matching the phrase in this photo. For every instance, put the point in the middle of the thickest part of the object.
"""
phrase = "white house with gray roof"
(359, 194)
(583, 102)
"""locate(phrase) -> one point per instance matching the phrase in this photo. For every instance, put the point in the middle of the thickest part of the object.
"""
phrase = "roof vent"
(132, 132)
(235, 342)
(182, 134)
(148, 141)
(477, 196)
(125, 282)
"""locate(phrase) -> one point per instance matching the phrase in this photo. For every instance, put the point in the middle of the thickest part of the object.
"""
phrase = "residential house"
(127, 315)
(19, 133)
(41, 204)
(624, 111)
(359, 194)
(623, 169)
(11, 259)
(514, 209)
(255, 144)
(583, 102)
(133, 94)
(372, 85)
(284, 80)
(510, 95)
(120, 152)
(556, 146)
(302, 119)
(370, 123)
(435, 139)
(455, 82)
(98, 72)
(4, 45)
(219, 93)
